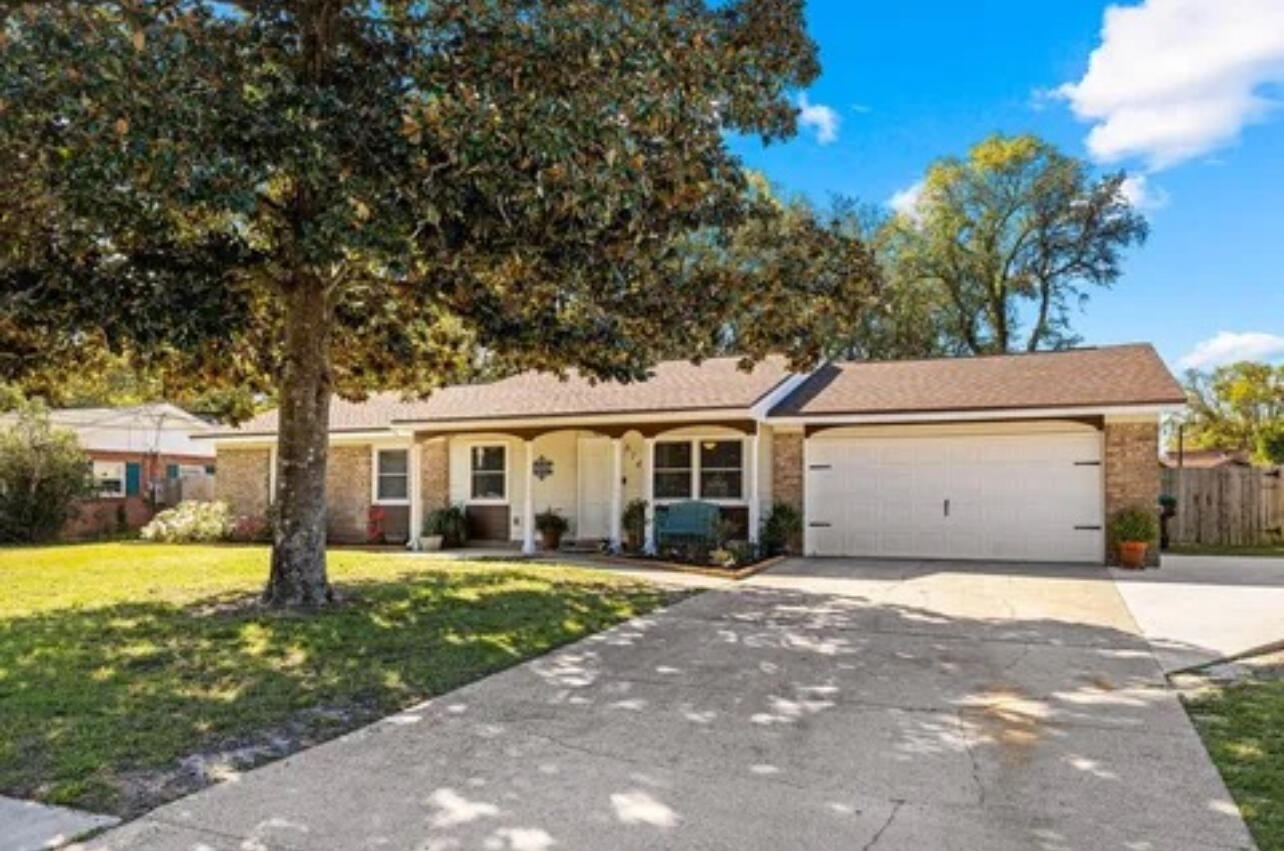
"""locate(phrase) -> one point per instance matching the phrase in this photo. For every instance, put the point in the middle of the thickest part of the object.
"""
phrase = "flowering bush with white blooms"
(190, 522)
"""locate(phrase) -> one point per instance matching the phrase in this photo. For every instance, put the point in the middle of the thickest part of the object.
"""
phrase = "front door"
(594, 489)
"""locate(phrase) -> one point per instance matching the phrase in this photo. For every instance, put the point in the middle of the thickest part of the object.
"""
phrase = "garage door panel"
(1015, 496)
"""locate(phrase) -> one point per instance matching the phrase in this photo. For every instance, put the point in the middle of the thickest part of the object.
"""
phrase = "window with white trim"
(722, 469)
(672, 469)
(711, 469)
(489, 471)
(392, 483)
(109, 478)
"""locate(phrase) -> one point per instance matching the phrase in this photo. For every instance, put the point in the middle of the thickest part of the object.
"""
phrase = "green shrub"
(550, 522)
(43, 474)
(782, 530)
(633, 522)
(190, 522)
(1134, 524)
(451, 523)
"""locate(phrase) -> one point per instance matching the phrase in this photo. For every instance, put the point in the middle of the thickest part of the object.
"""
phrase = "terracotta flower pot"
(1132, 554)
(550, 540)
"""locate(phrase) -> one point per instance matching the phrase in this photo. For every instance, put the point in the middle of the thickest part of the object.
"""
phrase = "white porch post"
(617, 473)
(648, 492)
(528, 502)
(751, 467)
(416, 496)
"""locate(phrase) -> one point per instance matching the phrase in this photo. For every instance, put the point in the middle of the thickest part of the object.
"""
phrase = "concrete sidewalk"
(1198, 609)
(30, 826)
(821, 705)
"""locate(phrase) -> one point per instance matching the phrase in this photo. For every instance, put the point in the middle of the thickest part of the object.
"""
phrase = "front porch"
(505, 474)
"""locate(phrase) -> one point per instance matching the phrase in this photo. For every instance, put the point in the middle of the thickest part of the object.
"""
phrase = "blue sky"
(1184, 94)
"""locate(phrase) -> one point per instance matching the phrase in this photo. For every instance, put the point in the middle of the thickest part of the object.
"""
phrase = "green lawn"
(117, 660)
(1243, 728)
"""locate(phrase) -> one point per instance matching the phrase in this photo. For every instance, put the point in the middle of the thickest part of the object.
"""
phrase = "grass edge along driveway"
(1242, 725)
(133, 673)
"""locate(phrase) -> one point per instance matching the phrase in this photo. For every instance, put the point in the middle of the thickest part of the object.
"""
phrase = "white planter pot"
(430, 543)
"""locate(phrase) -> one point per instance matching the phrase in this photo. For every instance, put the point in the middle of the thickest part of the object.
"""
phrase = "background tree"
(43, 472)
(1239, 407)
(305, 197)
(999, 248)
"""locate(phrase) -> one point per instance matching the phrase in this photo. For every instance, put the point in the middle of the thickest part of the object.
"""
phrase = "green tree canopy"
(302, 197)
(997, 251)
(1239, 407)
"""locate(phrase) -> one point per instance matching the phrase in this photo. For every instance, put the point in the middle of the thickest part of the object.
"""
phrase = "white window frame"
(745, 485)
(507, 471)
(375, 498)
(122, 471)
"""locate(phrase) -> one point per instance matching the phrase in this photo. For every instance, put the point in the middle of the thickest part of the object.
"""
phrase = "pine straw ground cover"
(132, 673)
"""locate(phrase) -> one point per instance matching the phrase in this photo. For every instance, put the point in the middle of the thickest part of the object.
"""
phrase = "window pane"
(721, 484)
(673, 455)
(393, 461)
(488, 485)
(672, 485)
(393, 487)
(721, 454)
(488, 458)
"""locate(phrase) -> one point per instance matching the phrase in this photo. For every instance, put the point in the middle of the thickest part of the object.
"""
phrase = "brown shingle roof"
(1110, 375)
(717, 383)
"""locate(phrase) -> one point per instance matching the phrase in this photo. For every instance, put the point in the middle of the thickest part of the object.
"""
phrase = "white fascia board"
(764, 405)
(994, 414)
(386, 435)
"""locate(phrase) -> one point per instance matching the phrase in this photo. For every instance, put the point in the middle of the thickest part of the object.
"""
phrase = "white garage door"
(1028, 496)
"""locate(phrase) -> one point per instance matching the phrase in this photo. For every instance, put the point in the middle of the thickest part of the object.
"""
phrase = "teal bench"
(691, 521)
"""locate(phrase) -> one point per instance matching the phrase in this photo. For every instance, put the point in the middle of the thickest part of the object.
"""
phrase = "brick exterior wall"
(787, 468)
(434, 473)
(241, 480)
(1131, 474)
(347, 494)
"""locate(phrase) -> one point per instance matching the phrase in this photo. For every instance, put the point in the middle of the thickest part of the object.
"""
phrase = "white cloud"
(1142, 194)
(905, 201)
(1173, 79)
(1229, 347)
(823, 119)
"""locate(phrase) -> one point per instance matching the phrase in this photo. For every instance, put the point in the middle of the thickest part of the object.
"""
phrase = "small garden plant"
(1134, 524)
(451, 523)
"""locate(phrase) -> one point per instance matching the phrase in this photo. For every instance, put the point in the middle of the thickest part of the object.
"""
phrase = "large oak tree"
(312, 197)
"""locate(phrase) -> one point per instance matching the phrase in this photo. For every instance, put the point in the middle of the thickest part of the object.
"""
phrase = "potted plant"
(633, 519)
(444, 527)
(551, 527)
(1133, 529)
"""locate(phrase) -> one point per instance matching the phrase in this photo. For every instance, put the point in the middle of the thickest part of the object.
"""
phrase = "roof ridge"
(990, 355)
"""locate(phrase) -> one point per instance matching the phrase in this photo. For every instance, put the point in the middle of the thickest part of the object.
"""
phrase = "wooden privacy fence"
(1226, 506)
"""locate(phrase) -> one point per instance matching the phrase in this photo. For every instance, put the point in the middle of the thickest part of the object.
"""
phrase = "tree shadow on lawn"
(120, 708)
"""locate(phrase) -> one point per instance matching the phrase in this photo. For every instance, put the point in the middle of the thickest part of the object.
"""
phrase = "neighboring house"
(1004, 457)
(139, 454)
(1206, 459)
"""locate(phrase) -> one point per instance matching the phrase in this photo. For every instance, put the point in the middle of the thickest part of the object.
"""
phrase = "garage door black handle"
(947, 508)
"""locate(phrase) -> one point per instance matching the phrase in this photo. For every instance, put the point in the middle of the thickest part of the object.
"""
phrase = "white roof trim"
(572, 421)
(992, 414)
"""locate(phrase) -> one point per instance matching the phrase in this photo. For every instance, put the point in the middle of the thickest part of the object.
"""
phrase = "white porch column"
(617, 497)
(751, 469)
(648, 492)
(528, 502)
(416, 496)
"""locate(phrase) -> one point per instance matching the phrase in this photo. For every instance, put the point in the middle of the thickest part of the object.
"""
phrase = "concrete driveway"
(823, 705)
(1198, 609)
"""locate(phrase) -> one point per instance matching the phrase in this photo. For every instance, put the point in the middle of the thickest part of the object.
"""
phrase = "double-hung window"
(392, 475)
(489, 471)
(699, 469)
(109, 478)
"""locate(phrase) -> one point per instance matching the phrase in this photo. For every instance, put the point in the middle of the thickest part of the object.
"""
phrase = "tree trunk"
(298, 576)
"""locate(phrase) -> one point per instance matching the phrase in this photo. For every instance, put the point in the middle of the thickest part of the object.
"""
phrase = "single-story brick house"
(1002, 457)
(137, 452)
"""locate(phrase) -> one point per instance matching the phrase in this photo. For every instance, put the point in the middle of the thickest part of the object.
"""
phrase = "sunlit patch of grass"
(1243, 727)
(123, 658)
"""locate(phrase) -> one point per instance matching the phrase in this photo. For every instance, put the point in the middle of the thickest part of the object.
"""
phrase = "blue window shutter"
(171, 471)
(133, 478)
